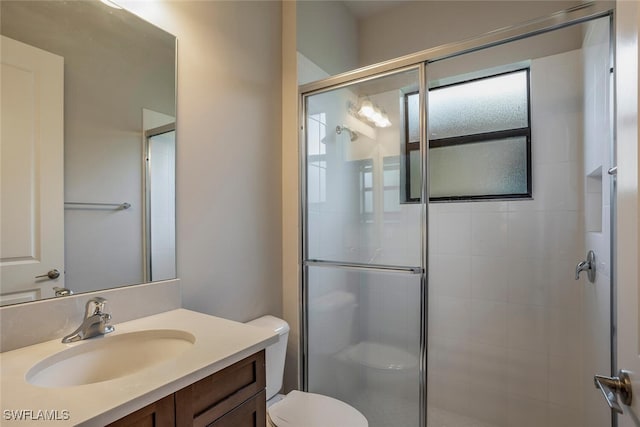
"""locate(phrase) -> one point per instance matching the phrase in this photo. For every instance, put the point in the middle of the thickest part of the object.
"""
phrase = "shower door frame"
(420, 60)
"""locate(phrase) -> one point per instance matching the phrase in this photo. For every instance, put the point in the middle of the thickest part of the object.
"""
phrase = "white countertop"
(218, 343)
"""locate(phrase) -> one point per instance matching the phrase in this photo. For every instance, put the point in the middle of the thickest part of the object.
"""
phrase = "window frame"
(317, 161)
(525, 132)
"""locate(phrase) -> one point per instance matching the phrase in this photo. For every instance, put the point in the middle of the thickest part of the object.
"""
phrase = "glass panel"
(391, 200)
(479, 106)
(478, 169)
(391, 183)
(415, 180)
(364, 345)
(317, 182)
(391, 175)
(368, 202)
(413, 117)
(368, 179)
(349, 223)
(506, 314)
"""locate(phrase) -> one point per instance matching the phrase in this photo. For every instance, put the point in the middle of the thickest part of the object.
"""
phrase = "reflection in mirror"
(354, 173)
(88, 149)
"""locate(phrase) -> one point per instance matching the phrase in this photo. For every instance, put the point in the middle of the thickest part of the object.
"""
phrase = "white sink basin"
(109, 357)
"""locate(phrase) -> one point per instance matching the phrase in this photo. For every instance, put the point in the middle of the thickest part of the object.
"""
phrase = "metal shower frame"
(419, 61)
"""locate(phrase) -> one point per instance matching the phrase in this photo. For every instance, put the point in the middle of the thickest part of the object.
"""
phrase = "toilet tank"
(275, 353)
(331, 322)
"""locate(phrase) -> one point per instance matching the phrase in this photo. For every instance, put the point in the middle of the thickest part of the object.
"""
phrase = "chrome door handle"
(62, 292)
(611, 387)
(51, 274)
(589, 266)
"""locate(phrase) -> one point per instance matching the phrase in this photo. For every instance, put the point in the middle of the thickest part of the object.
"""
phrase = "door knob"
(51, 274)
(611, 387)
(589, 266)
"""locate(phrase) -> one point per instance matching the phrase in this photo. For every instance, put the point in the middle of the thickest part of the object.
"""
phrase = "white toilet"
(299, 409)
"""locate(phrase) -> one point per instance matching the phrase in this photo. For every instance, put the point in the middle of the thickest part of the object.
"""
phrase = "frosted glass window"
(413, 117)
(488, 168)
(391, 199)
(479, 106)
(368, 201)
(391, 177)
(412, 148)
(366, 189)
(316, 133)
(391, 184)
(479, 140)
(414, 176)
(317, 177)
(368, 179)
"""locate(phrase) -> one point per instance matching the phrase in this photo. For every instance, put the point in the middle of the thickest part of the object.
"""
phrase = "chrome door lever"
(589, 266)
(51, 274)
(611, 387)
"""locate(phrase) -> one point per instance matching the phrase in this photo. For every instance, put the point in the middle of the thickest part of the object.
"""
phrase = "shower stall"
(447, 199)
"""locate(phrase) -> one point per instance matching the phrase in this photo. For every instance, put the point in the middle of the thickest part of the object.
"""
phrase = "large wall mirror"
(88, 149)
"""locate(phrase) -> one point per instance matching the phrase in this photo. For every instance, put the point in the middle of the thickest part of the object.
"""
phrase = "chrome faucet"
(95, 322)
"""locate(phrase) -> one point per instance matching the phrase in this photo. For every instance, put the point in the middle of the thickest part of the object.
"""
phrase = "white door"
(628, 255)
(31, 172)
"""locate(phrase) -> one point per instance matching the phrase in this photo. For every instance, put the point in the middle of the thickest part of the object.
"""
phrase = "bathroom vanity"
(234, 397)
(178, 368)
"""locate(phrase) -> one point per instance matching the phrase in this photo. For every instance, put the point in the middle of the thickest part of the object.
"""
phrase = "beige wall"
(229, 233)
(327, 34)
(419, 25)
(290, 198)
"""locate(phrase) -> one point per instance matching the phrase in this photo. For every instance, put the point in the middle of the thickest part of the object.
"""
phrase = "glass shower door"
(515, 336)
(363, 274)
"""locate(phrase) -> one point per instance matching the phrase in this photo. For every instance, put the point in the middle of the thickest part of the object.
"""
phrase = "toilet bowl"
(299, 409)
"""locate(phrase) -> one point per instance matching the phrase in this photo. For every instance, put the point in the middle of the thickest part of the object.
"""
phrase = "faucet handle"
(95, 306)
(589, 265)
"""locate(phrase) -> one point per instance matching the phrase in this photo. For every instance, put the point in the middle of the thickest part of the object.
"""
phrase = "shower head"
(352, 134)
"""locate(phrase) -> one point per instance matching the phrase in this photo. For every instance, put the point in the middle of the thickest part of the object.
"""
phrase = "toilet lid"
(300, 409)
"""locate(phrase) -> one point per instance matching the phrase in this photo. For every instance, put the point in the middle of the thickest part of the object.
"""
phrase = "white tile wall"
(506, 328)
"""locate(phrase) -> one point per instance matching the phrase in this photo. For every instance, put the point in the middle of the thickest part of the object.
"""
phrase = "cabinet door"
(209, 399)
(158, 414)
(252, 413)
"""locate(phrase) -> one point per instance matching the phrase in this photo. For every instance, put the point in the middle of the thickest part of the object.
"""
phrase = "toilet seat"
(301, 409)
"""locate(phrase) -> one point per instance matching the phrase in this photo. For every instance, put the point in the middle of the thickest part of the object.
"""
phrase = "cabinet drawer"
(203, 402)
(158, 414)
(252, 413)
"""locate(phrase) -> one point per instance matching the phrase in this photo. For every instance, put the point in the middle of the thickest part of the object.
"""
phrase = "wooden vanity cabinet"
(205, 402)
(234, 396)
(159, 414)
